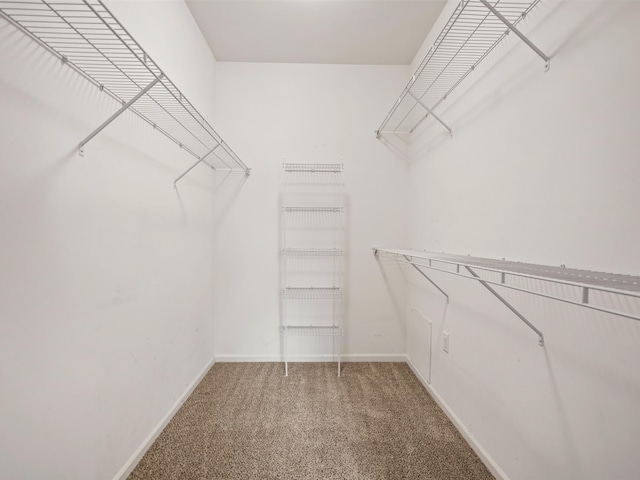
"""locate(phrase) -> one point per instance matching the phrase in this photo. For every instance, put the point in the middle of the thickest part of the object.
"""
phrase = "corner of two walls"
(542, 168)
(106, 268)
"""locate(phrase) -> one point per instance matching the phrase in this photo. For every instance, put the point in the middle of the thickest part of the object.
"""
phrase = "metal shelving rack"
(85, 35)
(503, 274)
(474, 29)
(312, 253)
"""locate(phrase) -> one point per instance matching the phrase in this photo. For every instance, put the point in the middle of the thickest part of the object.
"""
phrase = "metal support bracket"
(430, 112)
(508, 305)
(120, 110)
(201, 159)
(510, 26)
(425, 276)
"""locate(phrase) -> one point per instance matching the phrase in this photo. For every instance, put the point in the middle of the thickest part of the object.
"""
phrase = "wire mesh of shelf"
(312, 293)
(85, 35)
(470, 34)
(302, 209)
(313, 167)
(312, 252)
(312, 330)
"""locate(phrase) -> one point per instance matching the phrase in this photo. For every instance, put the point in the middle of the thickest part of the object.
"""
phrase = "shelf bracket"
(201, 159)
(122, 109)
(508, 305)
(425, 276)
(510, 26)
(430, 112)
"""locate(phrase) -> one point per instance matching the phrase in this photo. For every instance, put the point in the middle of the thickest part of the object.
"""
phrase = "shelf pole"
(511, 27)
(195, 164)
(122, 109)
(431, 113)
(425, 276)
(508, 305)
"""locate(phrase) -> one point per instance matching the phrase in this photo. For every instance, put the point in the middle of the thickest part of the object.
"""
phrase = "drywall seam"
(489, 462)
(128, 467)
(351, 357)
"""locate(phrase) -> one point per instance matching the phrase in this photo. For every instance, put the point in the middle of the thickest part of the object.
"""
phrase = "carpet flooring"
(249, 421)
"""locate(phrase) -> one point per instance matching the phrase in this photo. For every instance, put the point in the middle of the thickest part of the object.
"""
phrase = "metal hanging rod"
(584, 281)
(313, 167)
(86, 36)
(474, 29)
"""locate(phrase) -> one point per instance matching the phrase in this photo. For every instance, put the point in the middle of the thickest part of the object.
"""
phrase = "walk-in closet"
(319, 239)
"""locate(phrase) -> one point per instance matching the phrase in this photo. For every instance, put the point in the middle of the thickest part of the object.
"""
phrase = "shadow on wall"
(398, 145)
(227, 188)
(396, 282)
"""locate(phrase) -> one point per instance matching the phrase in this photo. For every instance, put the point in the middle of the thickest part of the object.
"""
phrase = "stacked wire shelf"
(312, 254)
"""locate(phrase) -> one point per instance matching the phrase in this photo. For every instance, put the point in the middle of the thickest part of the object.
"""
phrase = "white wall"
(105, 284)
(542, 168)
(309, 114)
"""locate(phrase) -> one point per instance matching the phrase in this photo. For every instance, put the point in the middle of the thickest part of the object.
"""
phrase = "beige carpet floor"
(249, 421)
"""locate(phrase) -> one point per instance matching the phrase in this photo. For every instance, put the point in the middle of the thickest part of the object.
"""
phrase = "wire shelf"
(312, 293)
(312, 330)
(86, 36)
(470, 34)
(584, 281)
(313, 209)
(313, 167)
(312, 252)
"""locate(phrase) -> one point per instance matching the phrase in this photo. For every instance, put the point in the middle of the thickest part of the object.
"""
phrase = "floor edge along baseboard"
(488, 461)
(130, 464)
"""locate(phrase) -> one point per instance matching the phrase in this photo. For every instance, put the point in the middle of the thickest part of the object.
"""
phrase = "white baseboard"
(351, 357)
(128, 467)
(489, 462)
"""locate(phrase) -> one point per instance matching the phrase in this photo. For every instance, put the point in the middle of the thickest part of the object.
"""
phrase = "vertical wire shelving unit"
(312, 253)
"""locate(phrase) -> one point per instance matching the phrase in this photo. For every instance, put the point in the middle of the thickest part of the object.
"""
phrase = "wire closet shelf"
(586, 287)
(85, 35)
(312, 330)
(474, 29)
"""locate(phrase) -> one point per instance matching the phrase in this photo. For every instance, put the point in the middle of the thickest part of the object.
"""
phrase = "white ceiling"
(381, 32)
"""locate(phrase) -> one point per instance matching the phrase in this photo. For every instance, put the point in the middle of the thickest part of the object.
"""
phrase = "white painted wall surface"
(106, 270)
(308, 114)
(543, 167)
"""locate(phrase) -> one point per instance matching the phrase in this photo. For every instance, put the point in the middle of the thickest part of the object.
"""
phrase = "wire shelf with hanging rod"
(474, 29)
(583, 288)
(85, 35)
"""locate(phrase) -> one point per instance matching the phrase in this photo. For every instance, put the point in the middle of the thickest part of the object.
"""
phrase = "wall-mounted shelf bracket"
(511, 27)
(509, 306)
(121, 110)
(429, 111)
(425, 276)
(195, 164)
